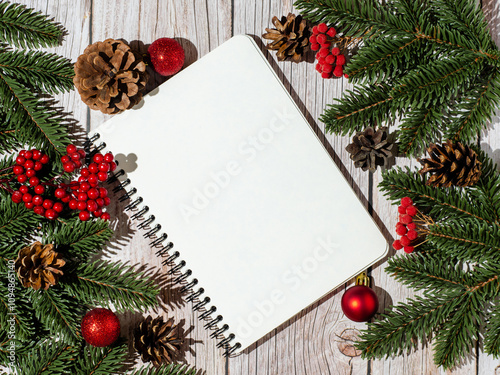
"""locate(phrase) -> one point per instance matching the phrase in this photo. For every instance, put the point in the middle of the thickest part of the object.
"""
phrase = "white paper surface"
(246, 192)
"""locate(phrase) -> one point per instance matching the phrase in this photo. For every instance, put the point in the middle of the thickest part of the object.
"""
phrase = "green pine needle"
(49, 357)
(170, 369)
(102, 361)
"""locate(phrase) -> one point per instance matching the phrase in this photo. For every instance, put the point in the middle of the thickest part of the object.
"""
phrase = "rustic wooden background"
(319, 339)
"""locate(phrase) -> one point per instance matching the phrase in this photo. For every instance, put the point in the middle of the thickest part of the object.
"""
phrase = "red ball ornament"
(100, 327)
(167, 56)
(360, 303)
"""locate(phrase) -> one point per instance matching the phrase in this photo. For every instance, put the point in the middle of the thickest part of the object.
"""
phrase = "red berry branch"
(84, 194)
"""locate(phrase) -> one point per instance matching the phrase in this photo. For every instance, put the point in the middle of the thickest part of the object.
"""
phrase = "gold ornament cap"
(363, 279)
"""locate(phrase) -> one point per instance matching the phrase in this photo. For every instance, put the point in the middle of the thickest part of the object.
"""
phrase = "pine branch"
(170, 369)
(419, 128)
(16, 225)
(102, 361)
(492, 333)
(106, 284)
(59, 313)
(49, 357)
(78, 239)
(38, 125)
(8, 140)
(46, 72)
(26, 28)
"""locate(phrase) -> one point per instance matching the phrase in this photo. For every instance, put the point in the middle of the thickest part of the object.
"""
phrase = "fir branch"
(59, 313)
(46, 72)
(171, 369)
(38, 124)
(25, 28)
(49, 357)
(17, 223)
(419, 128)
(492, 332)
(106, 284)
(102, 361)
(78, 239)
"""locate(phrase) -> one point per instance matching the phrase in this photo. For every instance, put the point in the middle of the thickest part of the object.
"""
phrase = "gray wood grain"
(317, 340)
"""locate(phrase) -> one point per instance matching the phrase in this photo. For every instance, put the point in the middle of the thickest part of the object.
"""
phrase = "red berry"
(321, 38)
(411, 210)
(93, 180)
(29, 164)
(66, 199)
(73, 204)
(84, 215)
(326, 75)
(69, 166)
(98, 158)
(37, 200)
(105, 216)
(327, 68)
(402, 210)
(331, 32)
(81, 205)
(103, 193)
(18, 170)
(330, 59)
(47, 203)
(102, 176)
(338, 71)
(40, 189)
(78, 163)
(60, 193)
(323, 52)
(312, 39)
(346, 75)
(44, 159)
(412, 226)
(322, 28)
(321, 61)
(97, 213)
(39, 210)
(104, 167)
(401, 230)
(397, 245)
(412, 235)
(93, 193)
(406, 201)
(24, 189)
(22, 178)
(340, 60)
(336, 51)
(30, 173)
(28, 154)
(17, 197)
(51, 214)
(58, 207)
(326, 45)
(405, 219)
(27, 197)
(84, 172)
(92, 206)
(34, 181)
(65, 159)
(75, 156)
(93, 168)
(107, 201)
(405, 241)
(36, 154)
(29, 205)
(319, 68)
(112, 166)
(82, 196)
(71, 149)
(38, 166)
(22, 153)
(315, 47)
(100, 202)
(315, 30)
(20, 160)
(409, 249)
(82, 153)
(84, 186)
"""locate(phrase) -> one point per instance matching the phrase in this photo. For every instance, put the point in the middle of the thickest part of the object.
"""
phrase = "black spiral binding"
(164, 250)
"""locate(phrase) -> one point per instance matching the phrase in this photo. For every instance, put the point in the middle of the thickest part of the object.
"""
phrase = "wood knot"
(345, 342)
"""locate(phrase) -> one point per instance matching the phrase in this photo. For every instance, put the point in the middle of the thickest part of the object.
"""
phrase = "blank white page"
(244, 189)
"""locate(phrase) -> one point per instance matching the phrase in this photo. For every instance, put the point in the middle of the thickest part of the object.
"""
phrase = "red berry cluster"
(84, 194)
(329, 56)
(406, 227)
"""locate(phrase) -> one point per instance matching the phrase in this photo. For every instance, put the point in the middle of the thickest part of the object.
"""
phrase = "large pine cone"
(451, 164)
(290, 37)
(157, 341)
(110, 77)
(39, 266)
(371, 148)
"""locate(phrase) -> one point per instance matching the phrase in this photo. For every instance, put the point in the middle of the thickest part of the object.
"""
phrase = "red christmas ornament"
(360, 303)
(100, 327)
(167, 56)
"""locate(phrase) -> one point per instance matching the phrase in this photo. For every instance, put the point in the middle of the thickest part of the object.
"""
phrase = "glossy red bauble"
(359, 303)
(167, 56)
(100, 327)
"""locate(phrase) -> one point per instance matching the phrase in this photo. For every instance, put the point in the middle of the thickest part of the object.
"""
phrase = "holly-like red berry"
(93, 180)
(327, 68)
(37, 154)
(93, 168)
(315, 30)
(411, 210)
(39, 210)
(412, 226)
(412, 235)
(29, 164)
(84, 215)
(409, 249)
(73, 204)
(405, 241)
(47, 203)
(315, 47)
(27, 197)
(18, 170)
(40, 189)
(167, 56)
(65, 159)
(30, 173)
(70, 149)
(338, 71)
(37, 200)
(102, 176)
(340, 60)
(38, 166)
(44, 159)
(105, 216)
(104, 167)
(17, 197)
(323, 52)
(402, 210)
(98, 158)
(92, 206)
(326, 75)
(397, 245)
(312, 39)
(81, 205)
(60, 193)
(321, 38)
(405, 219)
(28, 154)
(331, 32)
(34, 181)
(20, 160)
(58, 207)
(84, 172)
(406, 201)
(93, 193)
(322, 28)
(401, 230)
(103, 192)
(22, 178)
(51, 214)
(330, 59)
(69, 166)
(335, 51)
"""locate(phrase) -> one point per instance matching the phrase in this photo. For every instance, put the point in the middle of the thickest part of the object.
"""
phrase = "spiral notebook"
(260, 221)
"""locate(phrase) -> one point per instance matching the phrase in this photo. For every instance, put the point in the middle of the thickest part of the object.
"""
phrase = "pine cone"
(290, 37)
(110, 77)
(371, 148)
(39, 266)
(157, 341)
(451, 164)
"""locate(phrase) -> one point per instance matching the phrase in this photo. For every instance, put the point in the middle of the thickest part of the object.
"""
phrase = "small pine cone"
(110, 77)
(39, 266)
(157, 341)
(290, 37)
(451, 164)
(371, 148)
